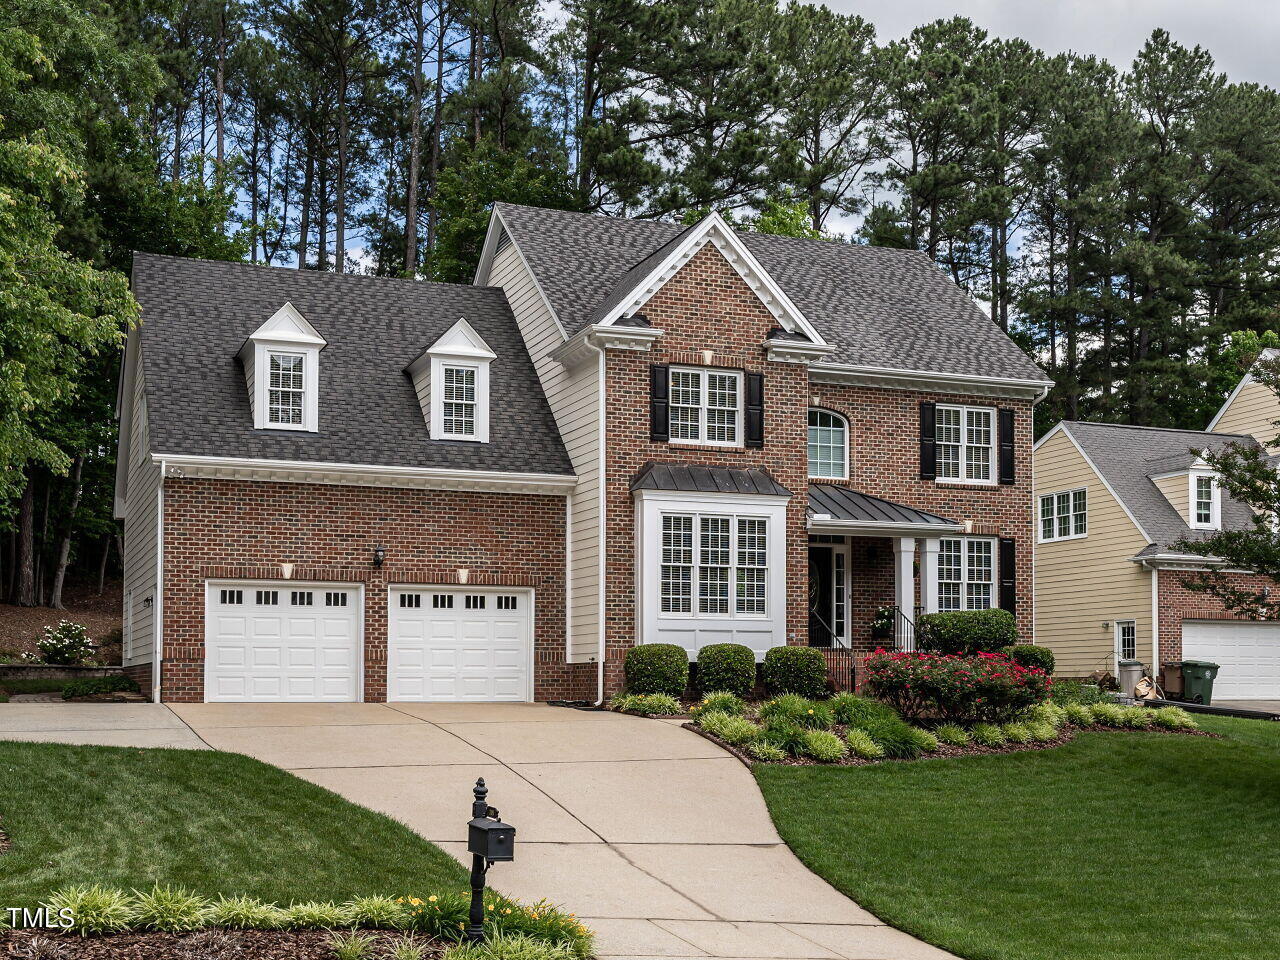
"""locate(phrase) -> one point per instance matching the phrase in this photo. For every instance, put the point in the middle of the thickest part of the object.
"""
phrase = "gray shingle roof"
(842, 503)
(1128, 457)
(877, 306)
(197, 313)
(697, 478)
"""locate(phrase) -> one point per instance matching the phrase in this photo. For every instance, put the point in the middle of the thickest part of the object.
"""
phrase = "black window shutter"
(928, 441)
(659, 409)
(753, 428)
(1008, 575)
(1006, 445)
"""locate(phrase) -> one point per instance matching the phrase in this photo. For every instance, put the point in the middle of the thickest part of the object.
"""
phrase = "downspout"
(1155, 623)
(157, 607)
(604, 526)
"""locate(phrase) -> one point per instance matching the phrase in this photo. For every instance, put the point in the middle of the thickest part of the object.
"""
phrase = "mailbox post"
(489, 841)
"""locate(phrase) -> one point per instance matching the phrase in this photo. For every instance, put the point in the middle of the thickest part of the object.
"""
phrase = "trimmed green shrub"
(1138, 718)
(960, 689)
(894, 737)
(766, 751)
(952, 734)
(825, 746)
(721, 701)
(1042, 732)
(1080, 714)
(797, 709)
(168, 909)
(727, 666)
(1048, 712)
(801, 670)
(88, 686)
(1073, 691)
(351, 946)
(966, 631)
(246, 913)
(657, 668)
(729, 728)
(1175, 718)
(1108, 714)
(853, 710)
(925, 740)
(1016, 733)
(987, 735)
(649, 704)
(786, 735)
(1030, 655)
(862, 745)
(95, 909)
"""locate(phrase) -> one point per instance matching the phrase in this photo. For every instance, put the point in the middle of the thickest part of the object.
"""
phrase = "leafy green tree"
(786, 218)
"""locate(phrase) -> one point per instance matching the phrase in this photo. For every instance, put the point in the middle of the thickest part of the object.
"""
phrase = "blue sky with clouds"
(1242, 35)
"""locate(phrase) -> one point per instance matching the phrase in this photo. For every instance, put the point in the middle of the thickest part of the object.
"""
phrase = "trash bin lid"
(1130, 663)
(1200, 663)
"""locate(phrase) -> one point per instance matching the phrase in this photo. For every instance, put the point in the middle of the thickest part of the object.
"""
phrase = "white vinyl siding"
(966, 574)
(966, 445)
(1064, 515)
(706, 407)
(140, 537)
(574, 396)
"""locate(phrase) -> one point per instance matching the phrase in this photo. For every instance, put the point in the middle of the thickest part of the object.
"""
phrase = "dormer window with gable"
(281, 361)
(451, 378)
(1206, 502)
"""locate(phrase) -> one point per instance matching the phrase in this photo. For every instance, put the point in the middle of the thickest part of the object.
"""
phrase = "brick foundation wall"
(141, 674)
(246, 529)
(1178, 603)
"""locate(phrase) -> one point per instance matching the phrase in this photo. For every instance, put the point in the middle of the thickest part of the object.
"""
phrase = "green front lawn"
(217, 823)
(1118, 845)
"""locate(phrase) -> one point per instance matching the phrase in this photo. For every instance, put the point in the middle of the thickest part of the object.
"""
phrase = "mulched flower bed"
(1065, 735)
(198, 945)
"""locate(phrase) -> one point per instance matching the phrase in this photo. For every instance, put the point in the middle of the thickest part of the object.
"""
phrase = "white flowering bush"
(67, 644)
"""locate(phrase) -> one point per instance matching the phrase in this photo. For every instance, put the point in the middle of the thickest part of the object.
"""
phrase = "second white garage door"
(1248, 653)
(459, 644)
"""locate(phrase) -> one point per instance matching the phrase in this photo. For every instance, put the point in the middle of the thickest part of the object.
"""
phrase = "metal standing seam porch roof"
(836, 508)
(698, 478)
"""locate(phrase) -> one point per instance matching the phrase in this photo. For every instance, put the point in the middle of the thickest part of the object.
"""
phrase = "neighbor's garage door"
(268, 642)
(1248, 652)
(459, 644)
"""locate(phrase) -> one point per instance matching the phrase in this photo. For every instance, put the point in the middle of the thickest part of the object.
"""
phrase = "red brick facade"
(1177, 603)
(246, 529)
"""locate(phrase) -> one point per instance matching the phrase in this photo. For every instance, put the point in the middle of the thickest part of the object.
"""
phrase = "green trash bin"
(1197, 680)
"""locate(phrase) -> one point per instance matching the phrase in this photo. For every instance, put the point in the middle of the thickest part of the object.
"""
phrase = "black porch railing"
(904, 632)
(840, 667)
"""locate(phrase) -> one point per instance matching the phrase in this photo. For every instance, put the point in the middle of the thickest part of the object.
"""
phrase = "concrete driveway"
(656, 838)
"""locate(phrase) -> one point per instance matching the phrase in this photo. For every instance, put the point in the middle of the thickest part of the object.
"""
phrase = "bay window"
(714, 565)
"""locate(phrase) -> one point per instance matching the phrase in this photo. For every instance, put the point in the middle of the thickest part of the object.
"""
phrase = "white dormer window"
(451, 378)
(1206, 502)
(281, 362)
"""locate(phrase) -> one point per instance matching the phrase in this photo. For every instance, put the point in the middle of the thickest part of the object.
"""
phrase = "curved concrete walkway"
(656, 838)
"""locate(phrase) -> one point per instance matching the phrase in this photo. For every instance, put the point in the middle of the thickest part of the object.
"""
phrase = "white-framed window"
(1127, 639)
(714, 565)
(965, 443)
(451, 379)
(286, 388)
(705, 406)
(966, 573)
(281, 361)
(1206, 502)
(1064, 515)
(459, 398)
(828, 445)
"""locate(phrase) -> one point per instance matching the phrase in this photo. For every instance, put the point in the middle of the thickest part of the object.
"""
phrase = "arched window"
(828, 445)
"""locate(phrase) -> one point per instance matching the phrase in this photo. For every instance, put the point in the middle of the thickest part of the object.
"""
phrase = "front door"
(821, 597)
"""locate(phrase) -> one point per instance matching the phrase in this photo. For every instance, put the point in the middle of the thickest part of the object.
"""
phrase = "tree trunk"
(102, 563)
(322, 209)
(179, 124)
(219, 82)
(415, 152)
(64, 548)
(25, 595)
(340, 188)
(433, 166)
(304, 227)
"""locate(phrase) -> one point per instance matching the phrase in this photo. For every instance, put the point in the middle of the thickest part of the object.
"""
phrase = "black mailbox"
(492, 839)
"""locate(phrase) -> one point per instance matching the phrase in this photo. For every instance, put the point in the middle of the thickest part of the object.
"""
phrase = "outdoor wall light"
(489, 841)
(379, 555)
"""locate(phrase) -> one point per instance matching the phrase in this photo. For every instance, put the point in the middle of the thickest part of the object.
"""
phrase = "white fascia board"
(496, 228)
(585, 344)
(876, 528)
(1052, 432)
(124, 414)
(713, 229)
(1103, 480)
(688, 497)
(1180, 561)
(898, 379)
(288, 325)
(359, 474)
(1267, 354)
(795, 351)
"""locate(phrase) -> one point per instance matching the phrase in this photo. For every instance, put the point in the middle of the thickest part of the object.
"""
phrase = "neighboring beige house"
(1112, 502)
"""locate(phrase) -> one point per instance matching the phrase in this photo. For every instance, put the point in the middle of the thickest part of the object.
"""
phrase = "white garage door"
(282, 642)
(459, 644)
(1248, 652)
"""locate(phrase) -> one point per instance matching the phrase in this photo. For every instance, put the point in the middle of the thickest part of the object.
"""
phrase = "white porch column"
(904, 581)
(929, 574)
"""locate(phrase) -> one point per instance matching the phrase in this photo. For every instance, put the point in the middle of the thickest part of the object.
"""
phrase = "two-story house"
(1113, 504)
(345, 488)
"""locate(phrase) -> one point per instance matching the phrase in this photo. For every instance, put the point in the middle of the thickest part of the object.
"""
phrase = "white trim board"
(926, 380)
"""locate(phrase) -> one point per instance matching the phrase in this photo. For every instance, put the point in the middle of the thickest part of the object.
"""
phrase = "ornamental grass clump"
(1175, 718)
(952, 734)
(825, 746)
(786, 735)
(854, 711)
(798, 709)
(94, 909)
(1108, 714)
(1048, 712)
(925, 740)
(444, 916)
(381, 913)
(1138, 718)
(766, 752)
(987, 735)
(1041, 731)
(862, 745)
(731, 729)
(351, 946)
(1080, 714)
(985, 687)
(720, 701)
(406, 949)
(1016, 733)
(244, 913)
(648, 704)
(168, 910)
(313, 915)
(894, 737)
(514, 946)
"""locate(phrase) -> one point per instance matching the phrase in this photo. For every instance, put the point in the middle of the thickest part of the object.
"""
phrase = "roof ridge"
(1136, 426)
